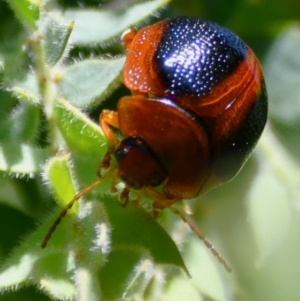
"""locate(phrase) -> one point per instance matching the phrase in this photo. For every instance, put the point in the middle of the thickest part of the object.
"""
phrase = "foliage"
(59, 66)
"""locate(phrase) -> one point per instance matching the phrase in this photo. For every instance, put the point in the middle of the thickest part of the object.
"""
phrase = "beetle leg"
(199, 233)
(124, 197)
(160, 201)
(137, 201)
(115, 178)
(105, 163)
(107, 120)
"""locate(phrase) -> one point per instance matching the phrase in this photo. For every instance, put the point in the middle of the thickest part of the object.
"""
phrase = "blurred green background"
(254, 220)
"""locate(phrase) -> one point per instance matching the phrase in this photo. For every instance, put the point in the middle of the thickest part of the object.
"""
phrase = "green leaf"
(55, 266)
(13, 218)
(87, 285)
(84, 138)
(269, 213)
(122, 270)
(204, 271)
(94, 241)
(31, 263)
(27, 11)
(133, 227)
(22, 124)
(59, 176)
(55, 279)
(13, 57)
(22, 159)
(65, 267)
(136, 240)
(180, 289)
(17, 272)
(282, 72)
(98, 27)
(270, 17)
(7, 105)
(57, 33)
(97, 79)
(27, 90)
(80, 133)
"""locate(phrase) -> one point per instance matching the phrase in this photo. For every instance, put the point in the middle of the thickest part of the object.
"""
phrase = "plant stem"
(46, 87)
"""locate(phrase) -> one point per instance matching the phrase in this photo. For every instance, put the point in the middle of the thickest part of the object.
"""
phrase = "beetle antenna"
(207, 243)
(69, 206)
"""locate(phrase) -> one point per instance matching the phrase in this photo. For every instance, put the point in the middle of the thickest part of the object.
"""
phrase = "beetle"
(197, 109)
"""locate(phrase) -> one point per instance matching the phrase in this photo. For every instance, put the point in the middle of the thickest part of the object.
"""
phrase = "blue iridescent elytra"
(193, 55)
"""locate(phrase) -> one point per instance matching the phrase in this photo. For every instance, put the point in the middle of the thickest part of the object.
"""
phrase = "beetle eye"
(121, 152)
(128, 143)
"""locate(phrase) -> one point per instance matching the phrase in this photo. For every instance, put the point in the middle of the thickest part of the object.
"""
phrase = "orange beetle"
(198, 108)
